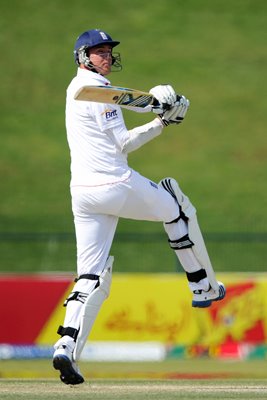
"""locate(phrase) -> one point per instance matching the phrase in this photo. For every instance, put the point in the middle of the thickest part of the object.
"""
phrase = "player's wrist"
(158, 122)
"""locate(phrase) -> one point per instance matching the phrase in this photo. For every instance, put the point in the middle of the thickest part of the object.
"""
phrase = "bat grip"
(165, 106)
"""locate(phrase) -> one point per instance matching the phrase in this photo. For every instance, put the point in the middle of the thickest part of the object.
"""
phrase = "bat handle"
(155, 102)
(165, 106)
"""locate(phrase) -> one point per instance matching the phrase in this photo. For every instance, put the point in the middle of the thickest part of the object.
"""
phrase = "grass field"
(135, 390)
(174, 379)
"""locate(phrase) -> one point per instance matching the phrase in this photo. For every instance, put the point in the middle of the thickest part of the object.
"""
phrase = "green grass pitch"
(135, 390)
(172, 379)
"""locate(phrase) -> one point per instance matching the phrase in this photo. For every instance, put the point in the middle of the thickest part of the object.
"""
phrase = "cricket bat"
(123, 97)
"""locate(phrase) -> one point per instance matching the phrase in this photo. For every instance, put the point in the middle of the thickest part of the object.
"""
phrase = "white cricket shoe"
(202, 298)
(62, 361)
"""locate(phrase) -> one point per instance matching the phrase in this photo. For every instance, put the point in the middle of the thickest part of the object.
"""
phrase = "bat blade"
(123, 97)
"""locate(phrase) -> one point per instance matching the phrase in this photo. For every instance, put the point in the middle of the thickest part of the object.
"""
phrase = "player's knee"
(84, 285)
(87, 283)
(185, 206)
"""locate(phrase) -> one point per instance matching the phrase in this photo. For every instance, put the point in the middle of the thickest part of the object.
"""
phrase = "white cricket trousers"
(97, 209)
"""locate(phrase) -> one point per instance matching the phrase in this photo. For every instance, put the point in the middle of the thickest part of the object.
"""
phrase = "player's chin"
(106, 69)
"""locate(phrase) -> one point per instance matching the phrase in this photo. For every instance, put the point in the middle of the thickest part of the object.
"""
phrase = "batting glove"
(175, 114)
(165, 96)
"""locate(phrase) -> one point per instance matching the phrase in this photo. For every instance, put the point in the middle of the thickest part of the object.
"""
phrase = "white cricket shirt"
(96, 154)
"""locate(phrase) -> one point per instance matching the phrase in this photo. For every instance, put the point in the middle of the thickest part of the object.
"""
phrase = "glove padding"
(166, 97)
(175, 114)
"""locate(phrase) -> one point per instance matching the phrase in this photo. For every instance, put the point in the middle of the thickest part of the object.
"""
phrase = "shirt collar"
(85, 73)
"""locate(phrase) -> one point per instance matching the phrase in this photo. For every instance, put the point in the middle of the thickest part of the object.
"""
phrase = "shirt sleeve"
(133, 139)
(110, 120)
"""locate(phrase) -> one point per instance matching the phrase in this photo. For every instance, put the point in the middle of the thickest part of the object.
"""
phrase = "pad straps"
(182, 243)
(72, 332)
(91, 277)
(196, 276)
(77, 296)
(87, 276)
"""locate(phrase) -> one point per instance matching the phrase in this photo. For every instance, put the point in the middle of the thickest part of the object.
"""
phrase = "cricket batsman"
(105, 188)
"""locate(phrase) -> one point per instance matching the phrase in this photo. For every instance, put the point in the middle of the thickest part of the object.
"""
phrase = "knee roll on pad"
(186, 207)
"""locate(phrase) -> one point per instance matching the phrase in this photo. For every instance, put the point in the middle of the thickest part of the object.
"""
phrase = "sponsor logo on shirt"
(110, 114)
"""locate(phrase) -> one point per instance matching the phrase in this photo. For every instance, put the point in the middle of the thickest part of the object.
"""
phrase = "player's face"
(101, 58)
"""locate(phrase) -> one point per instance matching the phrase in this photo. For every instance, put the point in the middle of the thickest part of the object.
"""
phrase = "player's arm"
(130, 140)
(174, 113)
(141, 135)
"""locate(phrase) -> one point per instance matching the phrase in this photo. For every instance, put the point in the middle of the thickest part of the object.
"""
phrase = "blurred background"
(214, 52)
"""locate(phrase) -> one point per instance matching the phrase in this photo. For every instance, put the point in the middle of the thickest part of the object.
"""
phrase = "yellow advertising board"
(157, 307)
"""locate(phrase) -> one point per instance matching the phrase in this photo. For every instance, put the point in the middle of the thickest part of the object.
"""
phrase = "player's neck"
(82, 66)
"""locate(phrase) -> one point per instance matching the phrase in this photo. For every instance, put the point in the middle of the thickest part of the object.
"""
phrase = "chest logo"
(110, 114)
